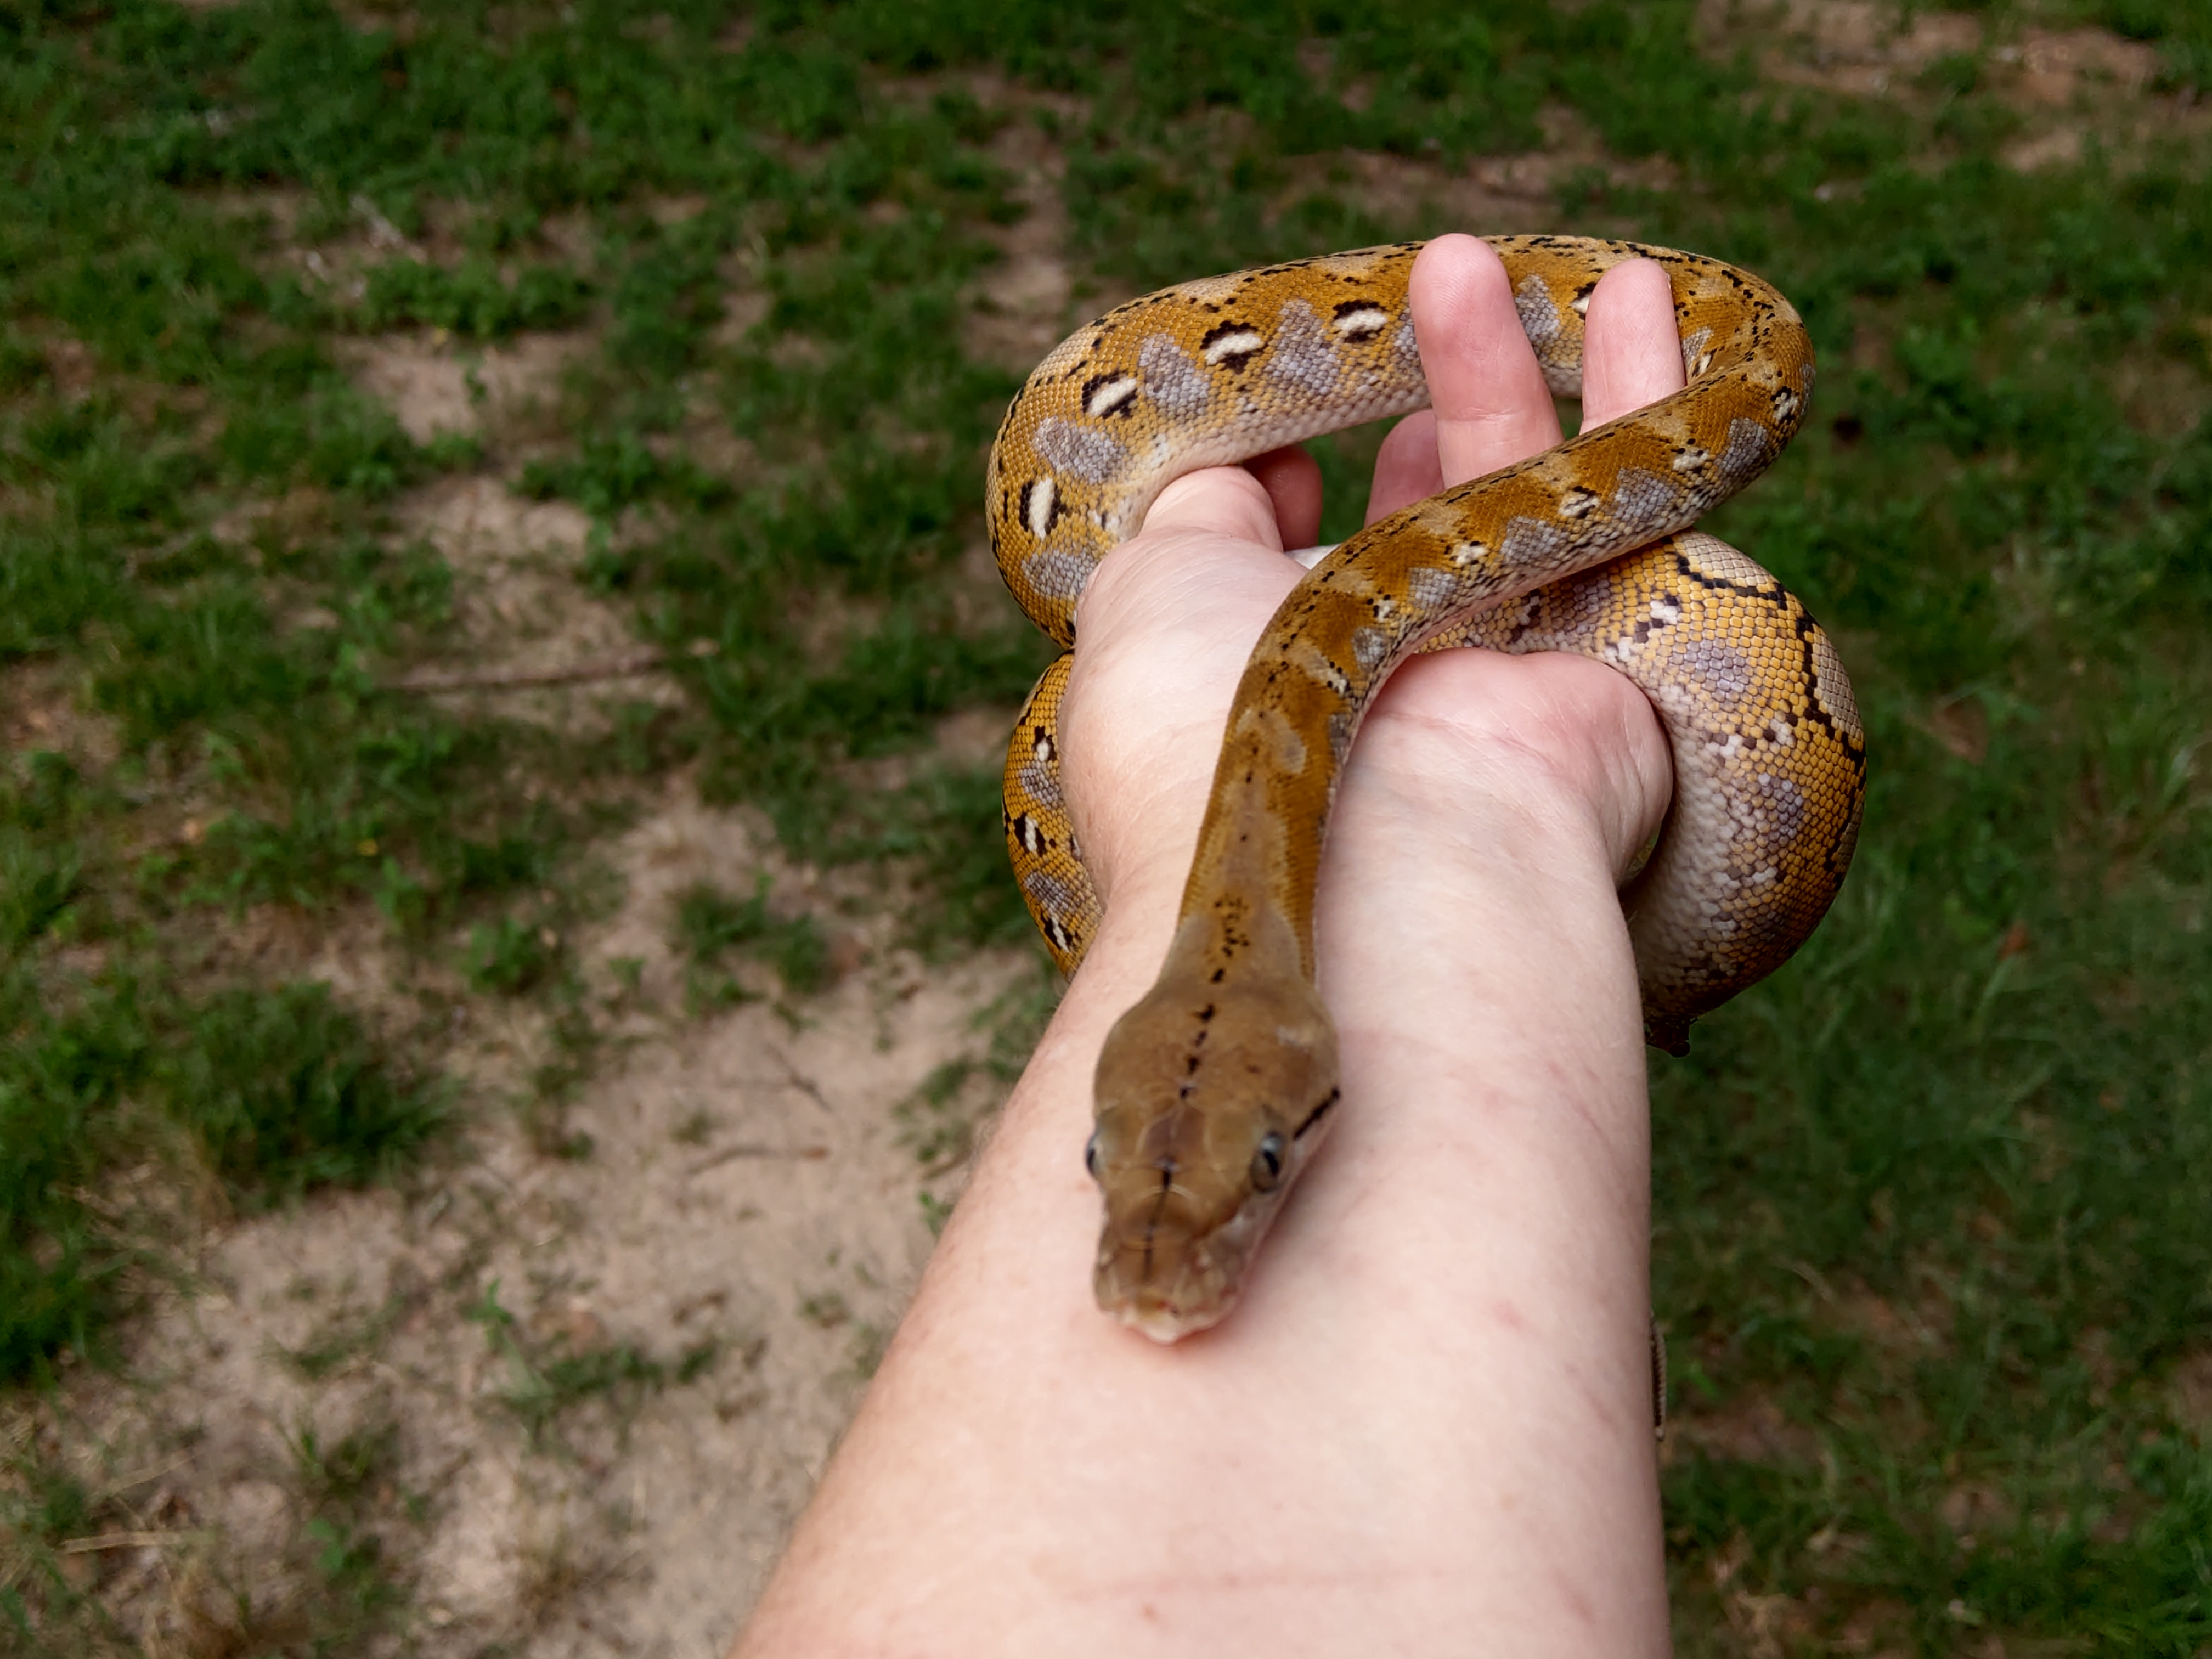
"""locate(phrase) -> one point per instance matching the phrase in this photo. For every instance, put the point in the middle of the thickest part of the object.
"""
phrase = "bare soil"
(733, 1244)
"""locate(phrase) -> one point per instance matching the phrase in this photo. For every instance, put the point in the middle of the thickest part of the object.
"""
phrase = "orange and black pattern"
(1576, 550)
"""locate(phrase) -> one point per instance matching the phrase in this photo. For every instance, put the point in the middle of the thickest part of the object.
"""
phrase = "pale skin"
(1426, 1428)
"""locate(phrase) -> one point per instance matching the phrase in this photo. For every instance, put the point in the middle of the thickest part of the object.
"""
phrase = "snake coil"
(1213, 1090)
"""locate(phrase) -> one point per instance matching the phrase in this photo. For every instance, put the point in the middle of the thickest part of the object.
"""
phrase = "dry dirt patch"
(1848, 45)
(1753, 1431)
(1030, 299)
(1512, 194)
(522, 614)
(2054, 65)
(2189, 1393)
(2068, 85)
(521, 610)
(597, 1387)
(1025, 303)
(41, 707)
(434, 385)
(739, 1242)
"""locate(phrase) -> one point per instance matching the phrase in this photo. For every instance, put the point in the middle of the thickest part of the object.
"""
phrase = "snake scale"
(1213, 1090)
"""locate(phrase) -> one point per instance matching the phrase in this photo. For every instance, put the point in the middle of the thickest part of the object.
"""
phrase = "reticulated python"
(1213, 1090)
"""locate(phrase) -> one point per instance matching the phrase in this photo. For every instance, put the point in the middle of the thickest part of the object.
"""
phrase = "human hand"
(1170, 617)
(1430, 1409)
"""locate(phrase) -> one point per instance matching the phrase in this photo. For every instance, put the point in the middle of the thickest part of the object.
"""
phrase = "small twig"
(1811, 1275)
(98, 1204)
(138, 560)
(799, 1080)
(754, 1149)
(503, 679)
(126, 1540)
(117, 1487)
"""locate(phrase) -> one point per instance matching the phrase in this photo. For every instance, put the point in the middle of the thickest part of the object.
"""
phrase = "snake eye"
(1090, 1154)
(1267, 1161)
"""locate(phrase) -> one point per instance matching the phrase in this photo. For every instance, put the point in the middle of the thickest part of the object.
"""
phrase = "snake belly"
(1212, 1092)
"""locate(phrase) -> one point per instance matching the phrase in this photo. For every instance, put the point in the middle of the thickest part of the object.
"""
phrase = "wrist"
(1468, 896)
(1455, 918)
(1556, 760)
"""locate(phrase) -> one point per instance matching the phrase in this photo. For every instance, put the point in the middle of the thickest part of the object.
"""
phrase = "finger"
(1631, 354)
(1492, 405)
(1405, 468)
(1225, 501)
(1291, 478)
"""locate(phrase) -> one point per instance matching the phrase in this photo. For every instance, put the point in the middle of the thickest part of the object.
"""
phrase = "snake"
(1212, 1092)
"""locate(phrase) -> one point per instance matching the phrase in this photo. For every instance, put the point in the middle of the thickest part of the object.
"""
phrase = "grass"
(549, 1379)
(272, 1091)
(337, 1583)
(710, 923)
(1929, 1203)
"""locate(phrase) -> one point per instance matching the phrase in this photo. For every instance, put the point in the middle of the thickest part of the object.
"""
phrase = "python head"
(1210, 1099)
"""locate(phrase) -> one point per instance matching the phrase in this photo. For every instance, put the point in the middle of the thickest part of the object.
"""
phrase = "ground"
(560, 1384)
(594, 1388)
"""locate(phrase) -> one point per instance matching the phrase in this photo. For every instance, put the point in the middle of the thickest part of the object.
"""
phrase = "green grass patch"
(274, 1092)
(710, 923)
(549, 1379)
(470, 299)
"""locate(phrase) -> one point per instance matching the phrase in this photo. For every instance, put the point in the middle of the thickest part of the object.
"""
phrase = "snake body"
(1212, 1092)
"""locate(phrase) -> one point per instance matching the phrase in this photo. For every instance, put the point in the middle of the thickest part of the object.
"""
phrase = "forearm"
(1426, 1428)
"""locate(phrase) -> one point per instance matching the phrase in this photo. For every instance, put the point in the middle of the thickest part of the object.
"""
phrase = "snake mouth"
(1170, 1285)
(1157, 1317)
(1162, 1281)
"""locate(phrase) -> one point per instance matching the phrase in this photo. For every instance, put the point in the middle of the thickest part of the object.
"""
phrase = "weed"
(510, 955)
(545, 1120)
(346, 1487)
(941, 1137)
(470, 298)
(345, 1337)
(42, 1508)
(547, 1381)
(343, 1472)
(695, 1361)
(942, 1118)
(282, 1092)
(709, 923)
(935, 1211)
(866, 1351)
(827, 1309)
